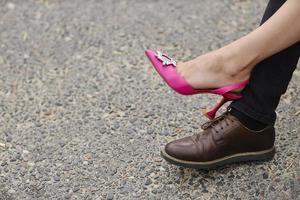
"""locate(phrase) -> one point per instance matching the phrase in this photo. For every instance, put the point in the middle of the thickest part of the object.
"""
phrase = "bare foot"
(213, 70)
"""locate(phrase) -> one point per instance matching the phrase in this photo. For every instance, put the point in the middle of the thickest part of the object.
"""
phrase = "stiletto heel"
(166, 68)
(212, 113)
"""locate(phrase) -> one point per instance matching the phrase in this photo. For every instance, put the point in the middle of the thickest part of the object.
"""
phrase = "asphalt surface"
(83, 113)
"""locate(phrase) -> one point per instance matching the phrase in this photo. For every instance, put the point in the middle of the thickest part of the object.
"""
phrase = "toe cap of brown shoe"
(183, 149)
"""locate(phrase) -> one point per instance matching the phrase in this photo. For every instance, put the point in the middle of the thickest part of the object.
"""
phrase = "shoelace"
(216, 122)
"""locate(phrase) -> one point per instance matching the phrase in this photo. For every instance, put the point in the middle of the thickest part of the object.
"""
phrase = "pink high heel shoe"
(166, 67)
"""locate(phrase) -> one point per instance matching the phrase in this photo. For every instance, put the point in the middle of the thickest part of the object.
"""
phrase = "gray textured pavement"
(83, 113)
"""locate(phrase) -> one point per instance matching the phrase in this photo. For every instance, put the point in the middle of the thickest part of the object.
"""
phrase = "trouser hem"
(250, 112)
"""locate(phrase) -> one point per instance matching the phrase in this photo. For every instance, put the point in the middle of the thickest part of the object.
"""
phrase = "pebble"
(31, 164)
(56, 178)
(148, 181)
(11, 6)
(85, 162)
(25, 151)
(8, 138)
(68, 196)
(265, 175)
(3, 163)
(110, 196)
(11, 191)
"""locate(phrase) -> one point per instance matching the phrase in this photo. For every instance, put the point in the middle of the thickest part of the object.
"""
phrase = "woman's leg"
(234, 62)
(269, 80)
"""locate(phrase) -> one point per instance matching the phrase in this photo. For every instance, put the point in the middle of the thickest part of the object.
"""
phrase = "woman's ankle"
(238, 59)
(232, 65)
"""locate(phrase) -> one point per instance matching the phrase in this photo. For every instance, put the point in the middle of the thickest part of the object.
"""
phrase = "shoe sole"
(236, 158)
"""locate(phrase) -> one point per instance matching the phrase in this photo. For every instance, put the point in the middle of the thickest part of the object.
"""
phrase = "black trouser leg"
(269, 79)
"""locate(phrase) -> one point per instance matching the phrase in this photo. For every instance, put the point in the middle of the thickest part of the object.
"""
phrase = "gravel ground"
(83, 113)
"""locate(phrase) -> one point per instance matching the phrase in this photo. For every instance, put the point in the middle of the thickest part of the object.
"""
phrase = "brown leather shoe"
(223, 140)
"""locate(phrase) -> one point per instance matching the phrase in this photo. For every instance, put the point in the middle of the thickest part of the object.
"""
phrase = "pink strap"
(228, 88)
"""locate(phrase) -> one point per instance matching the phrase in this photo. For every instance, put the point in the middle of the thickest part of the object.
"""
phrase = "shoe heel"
(212, 113)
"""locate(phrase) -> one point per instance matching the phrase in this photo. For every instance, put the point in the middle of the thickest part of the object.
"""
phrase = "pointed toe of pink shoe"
(166, 68)
(150, 53)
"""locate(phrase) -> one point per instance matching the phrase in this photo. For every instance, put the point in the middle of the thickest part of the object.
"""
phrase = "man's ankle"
(247, 121)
